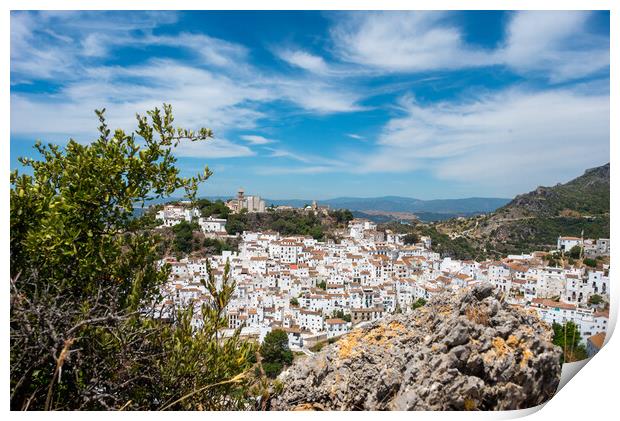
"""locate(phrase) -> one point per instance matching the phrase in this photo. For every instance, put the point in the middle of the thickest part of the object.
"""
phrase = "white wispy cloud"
(206, 50)
(200, 91)
(281, 153)
(40, 52)
(404, 42)
(488, 137)
(316, 95)
(256, 139)
(555, 44)
(214, 148)
(503, 138)
(306, 158)
(304, 60)
(316, 169)
(508, 141)
(199, 97)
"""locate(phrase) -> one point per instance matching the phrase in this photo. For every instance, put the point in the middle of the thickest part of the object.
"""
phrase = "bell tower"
(240, 199)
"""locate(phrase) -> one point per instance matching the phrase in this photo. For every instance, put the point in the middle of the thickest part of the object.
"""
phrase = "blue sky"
(327, 104)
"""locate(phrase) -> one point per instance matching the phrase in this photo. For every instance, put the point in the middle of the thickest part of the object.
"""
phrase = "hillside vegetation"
(535, 220)
(289, 222)
(584, 196)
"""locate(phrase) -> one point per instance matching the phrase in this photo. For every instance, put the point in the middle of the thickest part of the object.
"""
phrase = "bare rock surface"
(465, 351)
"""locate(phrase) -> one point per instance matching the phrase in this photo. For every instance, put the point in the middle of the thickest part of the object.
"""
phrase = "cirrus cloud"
(494, 138)
(256, 139)
(559, 45)
(304, 60)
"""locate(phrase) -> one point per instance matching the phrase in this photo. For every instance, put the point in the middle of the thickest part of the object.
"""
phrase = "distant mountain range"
(387, 208)
(470, 205)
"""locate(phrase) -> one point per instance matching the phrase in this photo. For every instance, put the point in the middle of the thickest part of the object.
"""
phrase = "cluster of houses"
(316, 290)
(172, 215)
(590, 247)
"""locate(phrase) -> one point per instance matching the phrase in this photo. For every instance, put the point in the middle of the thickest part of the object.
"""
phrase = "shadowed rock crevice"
(465, 351)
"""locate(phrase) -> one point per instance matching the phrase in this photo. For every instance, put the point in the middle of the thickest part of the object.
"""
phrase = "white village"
(316, 291)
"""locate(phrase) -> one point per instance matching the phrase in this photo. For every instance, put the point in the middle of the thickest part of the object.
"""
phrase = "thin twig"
(235, 379)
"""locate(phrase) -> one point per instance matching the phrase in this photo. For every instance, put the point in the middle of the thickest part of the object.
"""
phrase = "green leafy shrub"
(595, 300)
(342, 216)
(215, 246)
(184, 236)
(589, 262)
(212, 208)
(575, 252)
(339, 314)
(418, 303)
(84, 331)
(289, 222)
(411, 238)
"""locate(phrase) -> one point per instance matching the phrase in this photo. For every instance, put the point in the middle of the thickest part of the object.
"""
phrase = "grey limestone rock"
(464, 351)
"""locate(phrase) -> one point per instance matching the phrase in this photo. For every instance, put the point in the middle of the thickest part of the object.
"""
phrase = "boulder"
(461, 351)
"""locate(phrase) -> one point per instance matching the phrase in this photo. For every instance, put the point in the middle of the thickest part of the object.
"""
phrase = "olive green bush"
(86, 325)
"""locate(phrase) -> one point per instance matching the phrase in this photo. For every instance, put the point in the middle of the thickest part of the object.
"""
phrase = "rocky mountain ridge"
(534, 220)
(586, 194)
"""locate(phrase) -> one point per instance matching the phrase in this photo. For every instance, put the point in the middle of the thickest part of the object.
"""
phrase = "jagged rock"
(460, 351)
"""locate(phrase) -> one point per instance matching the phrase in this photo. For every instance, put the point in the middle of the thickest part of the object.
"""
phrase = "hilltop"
(584, 196)
(534, 220)
(531, 221)
(384, 209)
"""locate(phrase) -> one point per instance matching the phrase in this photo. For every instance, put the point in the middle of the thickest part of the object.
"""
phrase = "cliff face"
(468, 351)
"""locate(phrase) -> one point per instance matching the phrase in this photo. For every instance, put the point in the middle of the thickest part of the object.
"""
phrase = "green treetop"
(567, 337)
(275, 352)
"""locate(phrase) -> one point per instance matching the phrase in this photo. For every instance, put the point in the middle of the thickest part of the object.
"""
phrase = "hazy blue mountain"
(406, 204)
(433, 208)
(381, 218)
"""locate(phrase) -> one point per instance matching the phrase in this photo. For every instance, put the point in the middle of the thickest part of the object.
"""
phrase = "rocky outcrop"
(466, 351)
